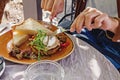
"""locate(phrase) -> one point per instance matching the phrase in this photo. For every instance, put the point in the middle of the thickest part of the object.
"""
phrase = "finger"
(79, 23)
(45, 4)
(89, 18)
(42, 4)
(104, 21)
(87, 9)
(53, 14)
(57, 8)
(49, 5)
(73, 26)
(98, 22)
(54, 10)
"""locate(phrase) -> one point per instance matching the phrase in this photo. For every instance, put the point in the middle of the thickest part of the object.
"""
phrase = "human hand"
(54, 6)
(116, 37)
(92, 18)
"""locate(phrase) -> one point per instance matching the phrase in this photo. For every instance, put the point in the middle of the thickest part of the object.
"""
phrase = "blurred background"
(13, 12)
(16, 11)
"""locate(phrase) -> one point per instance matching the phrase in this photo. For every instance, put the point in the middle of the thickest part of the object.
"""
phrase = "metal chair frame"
(71, 14)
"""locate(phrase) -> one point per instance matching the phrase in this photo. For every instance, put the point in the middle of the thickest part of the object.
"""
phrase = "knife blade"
(3, 29)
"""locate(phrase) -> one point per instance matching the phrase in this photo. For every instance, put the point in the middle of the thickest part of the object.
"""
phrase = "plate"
(5, 38)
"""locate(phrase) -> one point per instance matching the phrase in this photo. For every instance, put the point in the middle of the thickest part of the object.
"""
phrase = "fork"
(60, 30)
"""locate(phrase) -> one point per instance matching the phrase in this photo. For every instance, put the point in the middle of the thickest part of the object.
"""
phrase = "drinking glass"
(44, 70)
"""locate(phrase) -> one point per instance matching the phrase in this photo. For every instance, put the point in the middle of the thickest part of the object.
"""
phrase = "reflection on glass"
(13, 12)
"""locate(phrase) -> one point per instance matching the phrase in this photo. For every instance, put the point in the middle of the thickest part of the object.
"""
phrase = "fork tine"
(60, 30)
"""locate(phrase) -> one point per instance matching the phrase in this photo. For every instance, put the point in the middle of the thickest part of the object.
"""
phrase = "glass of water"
(44, 70)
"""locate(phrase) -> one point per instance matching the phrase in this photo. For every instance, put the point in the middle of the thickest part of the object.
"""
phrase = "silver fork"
(59, 30)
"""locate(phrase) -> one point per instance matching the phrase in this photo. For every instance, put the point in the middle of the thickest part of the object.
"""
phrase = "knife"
(3, 29)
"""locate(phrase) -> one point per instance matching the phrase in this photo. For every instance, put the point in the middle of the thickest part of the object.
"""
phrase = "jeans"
(98, 39)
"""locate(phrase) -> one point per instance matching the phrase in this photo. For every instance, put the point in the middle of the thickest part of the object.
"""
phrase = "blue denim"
(97, 38)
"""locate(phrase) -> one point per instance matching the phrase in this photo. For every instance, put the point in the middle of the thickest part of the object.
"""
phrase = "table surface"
(85, 63)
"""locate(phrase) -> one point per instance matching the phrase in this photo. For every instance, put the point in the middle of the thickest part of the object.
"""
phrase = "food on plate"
(32, 40)
(28, 27)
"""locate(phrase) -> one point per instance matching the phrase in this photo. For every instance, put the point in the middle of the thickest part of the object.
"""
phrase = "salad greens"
(37, 42)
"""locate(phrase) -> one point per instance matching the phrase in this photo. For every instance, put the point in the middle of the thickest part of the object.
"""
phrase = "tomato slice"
(65, 44)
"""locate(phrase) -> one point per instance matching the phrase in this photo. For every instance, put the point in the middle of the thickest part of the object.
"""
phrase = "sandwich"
(32, 40)
(28, 27)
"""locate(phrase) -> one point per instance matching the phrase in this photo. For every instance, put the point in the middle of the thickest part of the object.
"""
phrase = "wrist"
(116, 36)
(115, 29)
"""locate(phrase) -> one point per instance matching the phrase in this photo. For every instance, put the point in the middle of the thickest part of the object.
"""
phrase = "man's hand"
(92, 18)
(54, 6)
